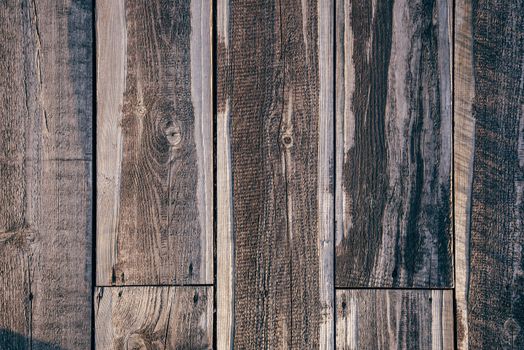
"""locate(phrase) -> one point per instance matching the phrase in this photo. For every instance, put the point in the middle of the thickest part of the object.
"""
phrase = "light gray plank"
(154, 318)
(395, 319)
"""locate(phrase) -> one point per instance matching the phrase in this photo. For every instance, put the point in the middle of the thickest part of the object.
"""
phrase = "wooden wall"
(246, 174)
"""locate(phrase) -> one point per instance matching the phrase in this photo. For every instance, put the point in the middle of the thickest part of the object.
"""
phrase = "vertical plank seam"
(453, 179)
(334, 174)
(93, 178)
(214, 97)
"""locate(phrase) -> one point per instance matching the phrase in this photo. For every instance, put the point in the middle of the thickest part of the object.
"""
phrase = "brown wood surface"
(275, 168)
(154, 142)
(395, 319)
(45, 170)
(393, 152)
(168, 318)
(489, 173)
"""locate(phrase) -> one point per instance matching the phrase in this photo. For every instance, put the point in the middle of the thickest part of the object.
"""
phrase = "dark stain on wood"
(394, 226)
(496, 279)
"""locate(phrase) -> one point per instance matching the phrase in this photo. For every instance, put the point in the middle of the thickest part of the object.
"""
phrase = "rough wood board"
(155, 144)
(45, 170)
(395, 319)
(154, 318)
(489, 172)
(275, 168)
(393, 153)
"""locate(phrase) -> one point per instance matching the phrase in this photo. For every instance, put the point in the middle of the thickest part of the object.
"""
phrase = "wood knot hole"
(287, 141)
(174, 135)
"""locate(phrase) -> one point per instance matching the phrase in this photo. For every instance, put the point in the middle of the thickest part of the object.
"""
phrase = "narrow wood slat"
(166, 318)
(275, 169)
(154, 142)
(45, 171)
(395, 319)
(489, 173)
(393, 152)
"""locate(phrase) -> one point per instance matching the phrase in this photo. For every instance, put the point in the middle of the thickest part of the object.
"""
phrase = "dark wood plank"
(275, 165)
(166, 318)
(45, 171)
(393, 176)
(155, 145)
(395, 319)
(489, 53)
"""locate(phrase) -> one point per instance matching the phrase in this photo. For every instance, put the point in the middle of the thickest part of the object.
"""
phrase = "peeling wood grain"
(393, 202)
(395, 319)
(45, 168)
(155, 149)
(489, 163)
(275, 169)
(154, 318)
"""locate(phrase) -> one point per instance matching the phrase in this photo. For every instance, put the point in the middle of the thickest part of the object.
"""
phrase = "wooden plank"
(393, 176)
(489, 172)
(154, 318)
(395, 319)
(275, 168)
(45, 171)
(155, 144)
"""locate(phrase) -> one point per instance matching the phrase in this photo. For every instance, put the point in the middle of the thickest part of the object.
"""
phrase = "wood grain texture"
(489, 172)
(463, 147)
(393, 152)
(155, 144)
(395, 319)
(275, 169)
(45, 171)
(165, 318)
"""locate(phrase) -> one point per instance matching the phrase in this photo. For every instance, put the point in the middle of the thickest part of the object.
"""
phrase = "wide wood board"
(154, 143)
(274, 174)
(46, 98)
(154, 318)
(489, 173)
(393, 144)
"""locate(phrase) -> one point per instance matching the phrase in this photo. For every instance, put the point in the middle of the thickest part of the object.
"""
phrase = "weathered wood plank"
(154, 318)
(45, 171)
(275, 214)
(489, 173)
(393, 152)
(395, 319)
(155, 144)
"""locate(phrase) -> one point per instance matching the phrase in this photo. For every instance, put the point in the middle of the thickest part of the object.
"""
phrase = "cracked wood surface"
(45, 170)
(154, 318)
(275, 168)
(393, 152)
(395, 319)
(489, 173)
(154, 144)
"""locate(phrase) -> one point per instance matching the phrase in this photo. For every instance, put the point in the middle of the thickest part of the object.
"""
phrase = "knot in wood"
(141, 110)
(287, 140)
(174, 135)
(136, 342)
